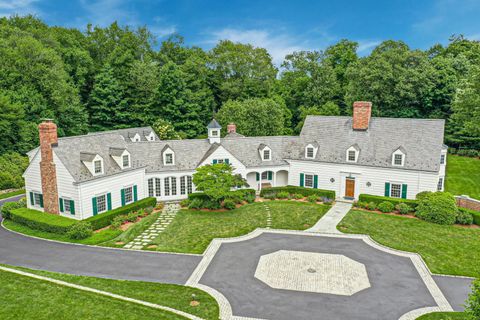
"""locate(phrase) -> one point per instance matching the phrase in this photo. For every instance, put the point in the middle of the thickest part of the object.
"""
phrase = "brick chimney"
(362, 111)
(231, 128)
(48, 135)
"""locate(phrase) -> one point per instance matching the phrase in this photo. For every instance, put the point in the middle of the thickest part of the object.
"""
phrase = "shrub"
(283, 195)
(313, 198)
(196, 204)
(185, 203)
(118, 221)
(9, 206)
(468, 153)
(250, 198)
(149, 210)
(41, 221)
(475, 215)
(212, 205)
(422, 195)
(326, 200)
(371, 206)
(437, 207)
(473, 302)
(270, 196)
(385, 206)
(464, 217)
(361, 204)
(104, 219)
(80, 230)
(378, 199)
(301, 190)
(403, 208)
(132, 217)
(298, 196)
(229, 204)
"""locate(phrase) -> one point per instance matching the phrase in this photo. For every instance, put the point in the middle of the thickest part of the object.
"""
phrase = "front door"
(350, 188)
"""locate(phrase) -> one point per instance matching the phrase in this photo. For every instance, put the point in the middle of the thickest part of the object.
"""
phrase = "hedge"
(9, 206)
(379, 199)
(475, 214)
(105, 219)
(299, 190)
(41, 221)
(240, 193)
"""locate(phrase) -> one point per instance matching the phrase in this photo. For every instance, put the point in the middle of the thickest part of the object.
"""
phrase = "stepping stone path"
(147, 236)
(269, 216)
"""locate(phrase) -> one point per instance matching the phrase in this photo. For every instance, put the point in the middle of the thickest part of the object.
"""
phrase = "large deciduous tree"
(216, 180)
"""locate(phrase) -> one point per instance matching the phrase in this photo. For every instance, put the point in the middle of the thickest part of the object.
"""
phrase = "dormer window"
(442, 159)
(311, 151)
(169, 158)
(97, 164)
(352, 154)
(126, 161)
(266, 155)
(398, 158)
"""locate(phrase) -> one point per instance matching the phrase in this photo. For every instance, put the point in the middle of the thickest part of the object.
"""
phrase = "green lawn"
(11, 194)
(446, 249)
(191, 231)
(443, 316)
(169, 295)
(463, 176)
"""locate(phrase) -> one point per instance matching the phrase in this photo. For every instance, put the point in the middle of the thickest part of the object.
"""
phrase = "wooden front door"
(350, 188)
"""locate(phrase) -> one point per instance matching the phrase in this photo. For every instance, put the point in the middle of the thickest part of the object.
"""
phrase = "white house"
(86, 175)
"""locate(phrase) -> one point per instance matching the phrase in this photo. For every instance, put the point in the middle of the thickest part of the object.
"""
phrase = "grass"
(449, 250)
(28, 298)
(132, 232)
(191, 231)
(12, 194)
(170, 295)
(443, 316)
(463, 176)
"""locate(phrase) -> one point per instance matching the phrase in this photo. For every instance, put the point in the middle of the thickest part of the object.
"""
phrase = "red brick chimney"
(48, 135)
(362, 111)
(231, 128)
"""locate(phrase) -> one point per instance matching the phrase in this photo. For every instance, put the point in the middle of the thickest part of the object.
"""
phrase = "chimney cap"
(47, 120)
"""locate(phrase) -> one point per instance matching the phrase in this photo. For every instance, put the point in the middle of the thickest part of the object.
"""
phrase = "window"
(398, 159)
(167, 186)
(219, 160)
(66, 205)
(265, 175)
(440, 184)
(189, 185)
(352, 156)
(266, 154)
(169, 158)
(126, 161)
(128, 195)
(309, 180)
(158, 187)
(310, 152)
(150, 187)
(214, 133)
(395, 190)
(442, 159)
(101, 203)
(174, 186)
(37, 199)
(97, 166)
(183, 188)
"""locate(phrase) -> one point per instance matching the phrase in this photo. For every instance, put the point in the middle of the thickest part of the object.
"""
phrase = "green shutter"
(72, 207)
(122, 194)
(31, 199)
(41, 200)
(258, 176)
(109, 201)
(270, 173)
(302, 180)
(94, 206)
(315, 181)
(387, 189)
(135, 198)
(214, 161)
(404, 191)
(60, 202)
(227, 161)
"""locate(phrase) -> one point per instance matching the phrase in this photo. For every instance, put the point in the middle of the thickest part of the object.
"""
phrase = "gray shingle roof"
(130, 132)
(214, 125)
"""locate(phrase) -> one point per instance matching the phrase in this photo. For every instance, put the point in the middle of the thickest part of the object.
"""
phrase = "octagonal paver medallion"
(312, 272)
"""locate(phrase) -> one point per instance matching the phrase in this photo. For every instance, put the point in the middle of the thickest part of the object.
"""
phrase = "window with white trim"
(352, 155)
(310, 152)
(220, 160)
(395, 190)
(440, 184)
(309, 180)
(398, 159)
(150, 187)
(166, 184)
(266, 154)
(442, 159)
(158, 187)
(128, 192)
(214, 133)
(126, 161)
(169, 158)
(66, 205)
(37, 199)
(97, 165)
(101, 203)
(183, 185)
(265, 175)
(174, 186)
(189, 185)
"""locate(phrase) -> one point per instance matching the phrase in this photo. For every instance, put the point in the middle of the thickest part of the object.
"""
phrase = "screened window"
(442, 159)
(189, 185)
(66, 205)
(309, 180)
(352, 155)
(398, 159)
(37, 198)
(101, 203)
(158, 187)
(309, 152)
(174, 186)
(183, 185)
(169, 158)
(440, 184)
(126, 161)
(396, 190)
(266, 154)
(128, 194)
(150, 187)
(166, 182)
(97, 166)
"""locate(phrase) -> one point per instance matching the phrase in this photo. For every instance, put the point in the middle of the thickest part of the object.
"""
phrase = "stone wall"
(468, 203)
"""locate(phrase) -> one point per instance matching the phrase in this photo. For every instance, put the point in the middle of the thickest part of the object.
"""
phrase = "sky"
(279, 26)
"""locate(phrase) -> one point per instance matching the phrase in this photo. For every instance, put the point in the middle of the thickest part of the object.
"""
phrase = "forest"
(103, 78)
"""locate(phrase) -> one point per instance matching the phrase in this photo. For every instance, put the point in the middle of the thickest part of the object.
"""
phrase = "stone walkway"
(146, 237)
(328, 223)
(269, 216)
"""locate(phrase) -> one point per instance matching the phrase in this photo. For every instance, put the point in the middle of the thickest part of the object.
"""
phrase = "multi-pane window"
(150, 187)
(442, 159)
(174, 186)
(351, 155)
(101, 203)
(183, 187)
(37, 198)
(309, 180)
(97, 166)
(189, 185)
(440, 184)
(126, 161)
(398, 159)
(309, 152)
(396, 190)
(214, 133)
(158, 187)
(166, 182)
(169, 158)
(265, 175)
(66, 205)
(219, 160)
(266, 154)
(128, 194)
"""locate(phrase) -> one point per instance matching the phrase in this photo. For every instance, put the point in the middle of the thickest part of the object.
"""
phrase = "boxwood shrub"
(199, 200)
(437, 207)
(41, 221)
(385, 206)
(379, 199)
(299, 190)
(475, 215)
(9, 206)
(104, 219)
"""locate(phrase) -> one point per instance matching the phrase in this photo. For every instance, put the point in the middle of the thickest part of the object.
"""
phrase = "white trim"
(352, 148)
(310, 146)
(165, 153)
(262, 154)
(106, 202)
(395, 153)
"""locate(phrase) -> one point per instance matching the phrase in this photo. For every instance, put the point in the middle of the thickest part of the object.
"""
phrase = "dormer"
(214, 129)
(352, 153)
(122, 157)
(134, 137)
(311, 150)
(398, 157)
(149, 135)
(168, 156)
(265, 152)
(94, 163)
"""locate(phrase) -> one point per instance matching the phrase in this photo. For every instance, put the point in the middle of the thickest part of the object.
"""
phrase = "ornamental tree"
(217, 180)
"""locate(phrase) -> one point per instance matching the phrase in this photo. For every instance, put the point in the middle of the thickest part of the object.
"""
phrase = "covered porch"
(266, 178)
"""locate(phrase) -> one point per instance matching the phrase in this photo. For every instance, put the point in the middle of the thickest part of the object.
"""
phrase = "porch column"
(274, 178)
